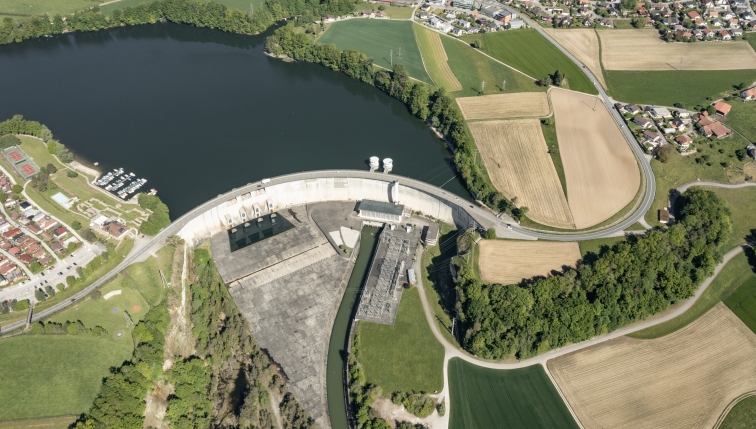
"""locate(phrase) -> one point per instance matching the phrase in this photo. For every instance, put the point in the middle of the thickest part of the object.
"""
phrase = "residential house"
(328, 19)
(370, 13)
(46, 260)
(116, 229)
(606, 22)
(59, 232)
(632, 109)
(671, 22)
(643, 122)
(652, 137)
(24, 206)
(490, 10)
(736, 32)
(707, 4)
(693, 15)
(10, 203)
(722, 108)
(724, 35)
(56, 246)
(516, 23)
(421, 15)
(716, 22)
(458, 32)
(49, 223)
(35, 229)
(708, 33)
(726, 14)
(39, 253)
(733, 23)
(564, 21)
(7, 268)
(492, 27)
(587, 22)
(678, 125)
(684, 141)
(658, 112)
(748, 94)
(14, 250)
(716, 129)
(462, 23)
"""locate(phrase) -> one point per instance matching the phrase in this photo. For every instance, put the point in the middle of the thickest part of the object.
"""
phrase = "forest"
(632, 280)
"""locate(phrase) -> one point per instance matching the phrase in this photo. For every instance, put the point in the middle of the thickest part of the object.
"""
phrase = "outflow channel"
(336, 372)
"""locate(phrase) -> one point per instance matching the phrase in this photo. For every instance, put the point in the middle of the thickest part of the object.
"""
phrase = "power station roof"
(381, 207)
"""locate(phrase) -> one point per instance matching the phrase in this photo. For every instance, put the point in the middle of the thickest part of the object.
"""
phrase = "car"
(75, 263)
(509, 226)
(42, 273)
(68, 267)
(60, 273)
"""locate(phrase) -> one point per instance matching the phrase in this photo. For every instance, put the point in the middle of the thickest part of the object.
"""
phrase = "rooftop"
(381, 207)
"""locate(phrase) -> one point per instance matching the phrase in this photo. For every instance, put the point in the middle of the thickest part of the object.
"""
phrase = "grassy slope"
(404, 356)
(595, 246)
(376, 38)
(40, 7)
(521, 398)
(743, 302)
(663, 87)
(549, 133)
(742, 204)
(437, 280)
(57, 383)
(434, 62)
(737, 272)
(742, 415)
(742, 118)
(529, 52)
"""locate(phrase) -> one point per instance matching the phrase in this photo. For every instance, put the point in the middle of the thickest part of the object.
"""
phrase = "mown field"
(743, 302)
(435, 58)
(523, 398)
(404, 356)
(528, 51)
(742, 415)
(376, 38)
(62, 422)
(597, 245)
(664, 88)
(21, 8)
(245, 5)
(742, 118)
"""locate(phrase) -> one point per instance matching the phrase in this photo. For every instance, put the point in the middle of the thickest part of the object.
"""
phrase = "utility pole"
(681, 61)
(400, 52)
(482, 86)
(595, 100)
(503, 85)
(454, 322)
(392, 58)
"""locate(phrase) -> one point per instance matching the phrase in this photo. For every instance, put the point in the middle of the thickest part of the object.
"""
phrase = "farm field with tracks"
(516, 157)
(684, 380)
(582, 43)
(600, 169)
(508, 262)
(435, 59)
(504, 106)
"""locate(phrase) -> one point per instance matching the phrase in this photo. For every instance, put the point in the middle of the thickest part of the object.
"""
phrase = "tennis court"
(15, 156)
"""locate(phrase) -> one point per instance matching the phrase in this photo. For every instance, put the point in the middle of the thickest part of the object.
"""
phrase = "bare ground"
(504, 106)
(157, 405)
(179, 340)
(582, 43)
(508, 262)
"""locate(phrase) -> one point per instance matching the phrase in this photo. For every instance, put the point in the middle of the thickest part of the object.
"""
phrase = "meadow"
(20, 8)
(743, 302)
(376, 38)
(741, 416)
(436, 61)
(595, 246)
(244, 5)
(404, 356)
(532, 54)
(742, 118)
(523, 398)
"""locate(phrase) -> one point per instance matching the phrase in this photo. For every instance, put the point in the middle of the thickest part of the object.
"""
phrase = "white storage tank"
(388, 164)
(374, 162)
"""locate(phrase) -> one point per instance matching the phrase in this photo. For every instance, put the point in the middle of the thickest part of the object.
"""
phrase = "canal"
(198, 112)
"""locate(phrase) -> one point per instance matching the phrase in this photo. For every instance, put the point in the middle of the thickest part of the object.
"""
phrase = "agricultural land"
(523, 398)
(600, 169)
(377, 38)
(435, 59)
(584, 45)
(516, 157)
(505, 106)
(508, 262)
(741, 416)
(743, 302)
(742, 118)
(684, 380)
(532, 54)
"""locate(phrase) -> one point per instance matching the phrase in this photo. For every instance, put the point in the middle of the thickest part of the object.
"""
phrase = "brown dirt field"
(583, 44)
(750, 170)
(599, 167)
(516, 157)
(504, 106)
(435, 59)
(643, 50)
(683, 380)
(508, 262)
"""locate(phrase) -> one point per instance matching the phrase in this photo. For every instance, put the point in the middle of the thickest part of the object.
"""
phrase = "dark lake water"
(198, 112)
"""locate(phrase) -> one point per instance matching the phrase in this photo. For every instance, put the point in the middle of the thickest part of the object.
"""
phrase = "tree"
(96, 295)
(741, 154)
(490, 234)
(476, 44)
(711, 110)
(51, 169)
(72, 173)
(17, 188)
(52, 147)
(9, 140)
(39, 295)
(558, 78)
(88, 235)
(629, 4)
(666, 153)
(76, 225)
(35, 267)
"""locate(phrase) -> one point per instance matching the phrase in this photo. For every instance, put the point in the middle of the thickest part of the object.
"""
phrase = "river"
(198, 112)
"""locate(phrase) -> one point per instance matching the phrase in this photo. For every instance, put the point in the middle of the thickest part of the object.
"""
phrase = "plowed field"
(683, 380)
(503, 106)
(508, 262)
(516, 157)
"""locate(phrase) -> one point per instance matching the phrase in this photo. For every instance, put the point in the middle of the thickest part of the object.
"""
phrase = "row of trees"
(435, 107)
(633, 280)
(67, 328)
(13, 305)
(158, 219)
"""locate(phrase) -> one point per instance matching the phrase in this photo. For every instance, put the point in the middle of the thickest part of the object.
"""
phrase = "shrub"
(72, 173)
(490, 234)
(441, 408)
(418, 404)
(76, 225)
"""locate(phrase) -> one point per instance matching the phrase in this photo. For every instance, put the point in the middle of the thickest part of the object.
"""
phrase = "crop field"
(516, 157)
(377, 38)
(508, 262)
(524, 398)
(644, 50)
(741, 416)
(529, 52)
(601, 172)
(743, 302)
(584, 45)
(504, 106)
(662, 87)
(435, 59)
(683, 380)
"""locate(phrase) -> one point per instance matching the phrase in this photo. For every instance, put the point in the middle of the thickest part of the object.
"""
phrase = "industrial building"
(380, 211)
(430, 234)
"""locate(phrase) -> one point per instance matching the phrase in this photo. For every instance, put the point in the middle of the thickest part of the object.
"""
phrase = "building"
(664, 215)
(643, 122)
(411, 278)
(115, 229)
(722, 108)
(684, 141)
(748, 94)
(377, 210)
(652, 137)
(716, 129)
(516, 23)
(463, 4)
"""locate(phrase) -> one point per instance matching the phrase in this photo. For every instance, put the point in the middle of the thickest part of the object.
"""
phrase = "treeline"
(633, 280)
(435, 107)
(67, 328)
(158, 219)
(18, 125)
(7, 306)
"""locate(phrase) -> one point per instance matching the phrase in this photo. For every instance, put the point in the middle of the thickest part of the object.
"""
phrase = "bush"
(441, 408)
(9, 140)
(88, 235)
(39, 295)
(17, 189)
(76, 225)
(35, 267)
(72, 173)
(418, 404)
(490, 234)
(666, 153)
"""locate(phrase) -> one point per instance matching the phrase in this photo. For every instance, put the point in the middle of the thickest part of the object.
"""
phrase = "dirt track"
(505, 106)
(583, 44)
(508, 262)
(600, 169)
(683, 380)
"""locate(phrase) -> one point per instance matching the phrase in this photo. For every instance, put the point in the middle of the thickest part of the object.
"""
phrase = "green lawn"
(404, 356)
(524, 398)
(549, 134)
(245, 5)
(742, 118)
(395, 12)
(665, 88)
(40, 7)
(623, 24)
(376, 38)
(736, 273)
(62, 422)
(742, 415)
(595, 246)
(742, 204)
(743, 302)
(529, 52)
(437, 281)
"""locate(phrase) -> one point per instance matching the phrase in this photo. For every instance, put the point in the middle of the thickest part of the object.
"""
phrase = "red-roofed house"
(684, 141)
(14, 250)
(11, 233)
(49, 224)
(748, 94)
(693, 15)
(46, 260)
(26, 259)
(34, 229)
(722, 108)
(60, 232)
(717, 130)
(5, 269)
(6, 246)
(56, 246)
(39, 253)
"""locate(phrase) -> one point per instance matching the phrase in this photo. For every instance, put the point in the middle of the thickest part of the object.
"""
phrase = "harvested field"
(508, 262)
(583, 44)
(683, 380)
(644, 50)
(436, 61)
(516, 157)
(601, 172)
(504, 106)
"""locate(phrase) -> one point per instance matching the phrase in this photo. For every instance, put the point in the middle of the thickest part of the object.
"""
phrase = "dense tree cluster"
(634, 279)
(435, 107)
(67, 328)
(9, 140)
(158, 219)
(13, 305)
(418, 404)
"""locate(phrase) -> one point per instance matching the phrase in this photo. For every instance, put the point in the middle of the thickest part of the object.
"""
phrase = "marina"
(121, 184)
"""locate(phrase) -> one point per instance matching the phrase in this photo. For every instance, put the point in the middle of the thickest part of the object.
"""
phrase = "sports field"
(435, 59)
(644, 50)
(683, 380)
(508, 261)
(584, 45)
(529, 52)
(377, 38)
(517, 160)
(601, 172)
(404, 356)
(524, 398)
(504, 106)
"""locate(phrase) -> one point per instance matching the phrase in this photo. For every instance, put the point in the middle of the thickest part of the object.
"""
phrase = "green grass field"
(743, 302)
(404, 356)
(742, 118)
(62, 422)
(529, 52)
(395, 12)
(245, 5)
(525, 398)
(742, 415)
(663, 87)
(437, 280)
(549, 134)
(742, 203)
(376, 38)
(736, 273)
(20, 8)
(595, 246)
